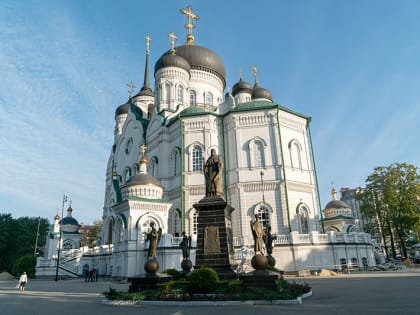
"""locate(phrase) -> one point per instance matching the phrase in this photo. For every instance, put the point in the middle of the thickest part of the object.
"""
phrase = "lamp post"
(59, 239)
(262, 185)
(36, 238)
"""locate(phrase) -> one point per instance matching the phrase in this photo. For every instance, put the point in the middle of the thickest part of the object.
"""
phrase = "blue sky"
(353, 66)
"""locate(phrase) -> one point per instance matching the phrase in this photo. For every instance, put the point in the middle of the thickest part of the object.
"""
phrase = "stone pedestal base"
(214, 236)
(149, 281)
(259, 279)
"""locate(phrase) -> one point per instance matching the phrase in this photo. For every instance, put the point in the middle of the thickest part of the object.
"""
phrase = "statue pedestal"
(148, 281)
(260, 279)
(214, 237)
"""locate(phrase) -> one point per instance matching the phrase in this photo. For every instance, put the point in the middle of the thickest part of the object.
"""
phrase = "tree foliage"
(90, 238)
(18, 238)
(391, 199)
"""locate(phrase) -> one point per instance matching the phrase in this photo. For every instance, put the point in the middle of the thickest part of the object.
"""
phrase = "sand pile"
(327, 273)
(6, 276)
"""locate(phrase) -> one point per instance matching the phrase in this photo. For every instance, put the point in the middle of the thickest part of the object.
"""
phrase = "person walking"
(22, 281)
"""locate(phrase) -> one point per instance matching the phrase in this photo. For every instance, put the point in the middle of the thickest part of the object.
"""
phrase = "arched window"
(197, 159)
(175, 161)
(303, 215)
(120, 231)
(258, 154)
(150, 110)
(109, 232)
(145, 227)
(263, 213)
(180, 93)
(295, 154)
(209, 99)
(67, 244)
(193, 98)
(127, 174)
(176, 223)
(167, 94)
(153, 165)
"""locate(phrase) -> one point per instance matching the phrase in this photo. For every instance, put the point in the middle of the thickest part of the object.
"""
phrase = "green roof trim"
(144, 122)
(255, 105)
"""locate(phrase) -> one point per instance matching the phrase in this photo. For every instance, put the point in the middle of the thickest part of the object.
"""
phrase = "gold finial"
(148, 40)
(190, 25)
(333, 191)
(240, 73)
(173, 40)
(131, 86)
(255, 70)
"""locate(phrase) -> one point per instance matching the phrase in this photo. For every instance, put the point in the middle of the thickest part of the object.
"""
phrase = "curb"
(296, 301)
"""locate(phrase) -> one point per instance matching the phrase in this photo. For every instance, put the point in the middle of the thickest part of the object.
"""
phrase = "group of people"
(91, 275)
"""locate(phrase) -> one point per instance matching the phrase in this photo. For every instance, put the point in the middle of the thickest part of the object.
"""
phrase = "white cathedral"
(155, 171)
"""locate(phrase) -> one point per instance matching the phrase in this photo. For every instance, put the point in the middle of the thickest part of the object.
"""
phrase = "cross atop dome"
(255, 70)
(143, 159)
(172, 42)
(190, 25)
(148, 40)
(130, 90)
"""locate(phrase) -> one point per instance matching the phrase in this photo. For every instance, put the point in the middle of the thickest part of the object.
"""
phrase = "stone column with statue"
(214, 229)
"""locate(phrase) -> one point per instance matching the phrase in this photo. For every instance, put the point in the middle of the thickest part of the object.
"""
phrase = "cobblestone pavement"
(358, 293)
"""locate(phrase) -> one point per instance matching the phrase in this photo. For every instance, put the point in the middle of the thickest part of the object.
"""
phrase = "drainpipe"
(182, 161)
(224, 159)
(284, 171)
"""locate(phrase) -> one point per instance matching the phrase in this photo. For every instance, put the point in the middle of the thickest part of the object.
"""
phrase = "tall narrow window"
(109, 232)
(167, 94)
(177, 223)
(175, 160)
(197, 159)
(180, 94)
(304, 220)
(259, 154)
(153, 166)
(209, 99)
(127, 174)
(295, 156)
(193, 98)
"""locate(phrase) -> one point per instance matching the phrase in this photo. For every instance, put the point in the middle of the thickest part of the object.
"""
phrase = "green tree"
(91, 237)
(391, 198)
(18, 238)
(25, 263)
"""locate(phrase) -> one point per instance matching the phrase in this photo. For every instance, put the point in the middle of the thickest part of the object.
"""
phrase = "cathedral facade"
(265, 147)
(154, 175)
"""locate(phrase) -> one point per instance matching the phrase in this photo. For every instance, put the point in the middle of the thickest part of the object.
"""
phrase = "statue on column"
(213, 173)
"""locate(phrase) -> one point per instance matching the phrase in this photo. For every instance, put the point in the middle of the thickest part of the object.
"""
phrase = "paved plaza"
(357, 293)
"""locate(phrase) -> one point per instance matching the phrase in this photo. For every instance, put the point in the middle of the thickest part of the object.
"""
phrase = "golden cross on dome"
(255, 70)
(143, 149)
(240, 73)
(190, 25)
(148, 40)
(173, 40)
(131, 86)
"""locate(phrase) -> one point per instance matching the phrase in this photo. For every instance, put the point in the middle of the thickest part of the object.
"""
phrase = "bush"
(173, 272)
(203, 280)
(25, 263)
